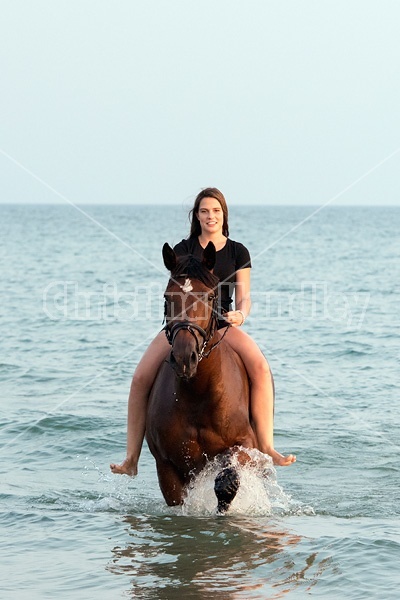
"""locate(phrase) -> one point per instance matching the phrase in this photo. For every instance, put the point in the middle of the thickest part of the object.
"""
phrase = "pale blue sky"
(283, 102)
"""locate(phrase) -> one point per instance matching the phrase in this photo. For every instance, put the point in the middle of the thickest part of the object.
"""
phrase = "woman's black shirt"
(231, 258)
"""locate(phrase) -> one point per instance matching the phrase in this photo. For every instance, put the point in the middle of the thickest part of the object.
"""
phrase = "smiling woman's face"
(210, 216)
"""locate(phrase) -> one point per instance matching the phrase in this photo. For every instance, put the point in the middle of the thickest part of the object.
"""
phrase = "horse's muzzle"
(185, 367)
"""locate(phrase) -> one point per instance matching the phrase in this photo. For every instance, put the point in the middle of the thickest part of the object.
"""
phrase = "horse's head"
(190, 308)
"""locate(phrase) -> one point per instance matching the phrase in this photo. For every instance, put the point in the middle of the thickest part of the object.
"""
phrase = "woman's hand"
(235, 317)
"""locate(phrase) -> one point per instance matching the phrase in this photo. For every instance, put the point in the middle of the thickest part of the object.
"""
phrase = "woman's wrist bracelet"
(243, 317)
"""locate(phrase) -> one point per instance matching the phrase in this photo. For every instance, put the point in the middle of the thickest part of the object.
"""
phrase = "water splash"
(259, 493)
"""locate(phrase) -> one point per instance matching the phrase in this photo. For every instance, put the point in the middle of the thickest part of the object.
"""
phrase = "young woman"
(209, 223)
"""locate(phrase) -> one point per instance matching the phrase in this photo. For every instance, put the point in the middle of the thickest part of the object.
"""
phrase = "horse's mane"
(193, 268)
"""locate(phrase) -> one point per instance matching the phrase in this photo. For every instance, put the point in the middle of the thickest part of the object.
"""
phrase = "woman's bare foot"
(127, 467)
(284, 461)
(280, 460)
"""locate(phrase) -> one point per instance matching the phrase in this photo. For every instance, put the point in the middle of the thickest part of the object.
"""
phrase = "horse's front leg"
(226, 485)
(227, 481)
(170, 482)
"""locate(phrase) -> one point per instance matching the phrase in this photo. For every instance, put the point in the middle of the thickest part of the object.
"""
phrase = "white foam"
(259, 493)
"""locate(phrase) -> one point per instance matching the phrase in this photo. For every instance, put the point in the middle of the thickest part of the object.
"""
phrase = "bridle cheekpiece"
(186, 325)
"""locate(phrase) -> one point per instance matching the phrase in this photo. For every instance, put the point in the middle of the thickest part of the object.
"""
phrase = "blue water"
(81, 298)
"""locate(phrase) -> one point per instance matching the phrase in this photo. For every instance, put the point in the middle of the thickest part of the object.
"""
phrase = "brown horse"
(199, 404)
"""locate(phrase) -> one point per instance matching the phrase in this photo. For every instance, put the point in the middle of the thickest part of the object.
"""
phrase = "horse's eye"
(211, 297)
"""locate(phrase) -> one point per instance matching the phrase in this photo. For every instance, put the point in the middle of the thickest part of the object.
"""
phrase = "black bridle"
(206, 335)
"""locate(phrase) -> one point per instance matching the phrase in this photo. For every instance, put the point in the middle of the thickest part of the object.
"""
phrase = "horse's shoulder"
(231, 359)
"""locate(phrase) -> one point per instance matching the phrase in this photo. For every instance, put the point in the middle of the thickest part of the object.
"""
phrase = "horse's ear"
(169, 257)
(209, 256)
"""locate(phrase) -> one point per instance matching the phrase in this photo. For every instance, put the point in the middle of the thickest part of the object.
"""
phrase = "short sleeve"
(243, 260)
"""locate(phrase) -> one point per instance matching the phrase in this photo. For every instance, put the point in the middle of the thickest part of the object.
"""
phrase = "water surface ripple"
(78, 309)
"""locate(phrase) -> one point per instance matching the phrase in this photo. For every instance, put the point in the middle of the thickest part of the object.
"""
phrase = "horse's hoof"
(226, 486)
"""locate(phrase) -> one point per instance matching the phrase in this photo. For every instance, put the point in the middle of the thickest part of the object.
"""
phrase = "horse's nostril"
(193, 358)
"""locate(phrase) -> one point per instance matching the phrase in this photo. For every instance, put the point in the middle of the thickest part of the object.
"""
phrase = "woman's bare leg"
(142, 382)
(261, 392)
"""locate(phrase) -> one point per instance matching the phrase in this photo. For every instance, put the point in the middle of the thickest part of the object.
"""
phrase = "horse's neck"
(208, 376)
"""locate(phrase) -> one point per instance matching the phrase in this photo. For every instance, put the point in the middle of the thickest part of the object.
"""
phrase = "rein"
(207, 354)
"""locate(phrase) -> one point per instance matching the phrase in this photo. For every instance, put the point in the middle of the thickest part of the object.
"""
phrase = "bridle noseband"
(191, 327)
(171, 332)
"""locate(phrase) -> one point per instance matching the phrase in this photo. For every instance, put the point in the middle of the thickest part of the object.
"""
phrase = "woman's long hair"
(195, 229)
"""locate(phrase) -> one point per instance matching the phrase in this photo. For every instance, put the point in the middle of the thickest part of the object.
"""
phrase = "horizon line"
(231, 204)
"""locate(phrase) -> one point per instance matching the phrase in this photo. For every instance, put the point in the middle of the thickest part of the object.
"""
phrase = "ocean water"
(81, 297)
